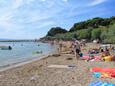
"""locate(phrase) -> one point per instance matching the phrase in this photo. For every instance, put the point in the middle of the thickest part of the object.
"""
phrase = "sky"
(29, 19)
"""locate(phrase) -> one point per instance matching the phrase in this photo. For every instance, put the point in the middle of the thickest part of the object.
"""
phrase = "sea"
(24, 51)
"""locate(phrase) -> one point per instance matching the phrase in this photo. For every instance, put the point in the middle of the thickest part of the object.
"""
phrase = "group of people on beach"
(77, 46)
(104, 53)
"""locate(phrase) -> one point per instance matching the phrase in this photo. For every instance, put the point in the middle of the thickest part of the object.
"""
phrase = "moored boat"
(3, 47)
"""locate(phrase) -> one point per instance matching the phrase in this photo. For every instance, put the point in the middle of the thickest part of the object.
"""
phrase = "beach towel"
(102, 75)
(97, 57)
(98, 69)
(61, 66)
(103, 72)
(100, 83)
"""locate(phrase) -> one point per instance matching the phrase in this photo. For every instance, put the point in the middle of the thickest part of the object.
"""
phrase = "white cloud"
(29, 1)
(46, 23)
(5, 21)
(96, 2)
(39, 18)
(43, 0)
(65, 0)
(33, 16)
(17, 3)
(62, 0)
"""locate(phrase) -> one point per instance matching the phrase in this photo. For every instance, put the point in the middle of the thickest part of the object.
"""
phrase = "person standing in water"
(60, 46)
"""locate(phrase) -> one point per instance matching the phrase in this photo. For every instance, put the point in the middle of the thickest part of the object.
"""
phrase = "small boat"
(5, 47)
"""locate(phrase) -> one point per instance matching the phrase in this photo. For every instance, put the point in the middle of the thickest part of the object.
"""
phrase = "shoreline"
(14, 65)
(27, 61)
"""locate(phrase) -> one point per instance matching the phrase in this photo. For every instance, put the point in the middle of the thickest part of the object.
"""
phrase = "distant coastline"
(24, 40)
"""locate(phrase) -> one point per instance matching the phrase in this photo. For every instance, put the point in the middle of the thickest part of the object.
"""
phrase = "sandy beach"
(37, 73)
(57, 42)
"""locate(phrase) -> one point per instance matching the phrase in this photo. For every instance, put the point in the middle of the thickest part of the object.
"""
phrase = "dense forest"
(102, 29)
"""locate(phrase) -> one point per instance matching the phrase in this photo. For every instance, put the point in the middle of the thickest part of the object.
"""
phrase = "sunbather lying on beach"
(93, 51)
(91, 58)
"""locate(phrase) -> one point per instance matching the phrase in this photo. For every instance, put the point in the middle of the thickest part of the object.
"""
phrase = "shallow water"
(23, 51)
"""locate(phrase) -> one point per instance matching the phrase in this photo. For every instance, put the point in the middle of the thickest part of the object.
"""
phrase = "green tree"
(112, 19)
(84, 34)
(66, 36)
(111, 34)
(104, 34)
(95, 34)
(56, 30)
(95, 23)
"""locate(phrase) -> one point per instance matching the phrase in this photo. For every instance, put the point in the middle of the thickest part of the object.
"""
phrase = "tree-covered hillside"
(94, 23)
(96, 28)
(56, 30)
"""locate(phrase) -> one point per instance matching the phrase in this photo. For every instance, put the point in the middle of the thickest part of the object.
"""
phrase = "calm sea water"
(24, 51)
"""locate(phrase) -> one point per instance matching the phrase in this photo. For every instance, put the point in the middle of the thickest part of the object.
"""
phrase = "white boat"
(5, 47)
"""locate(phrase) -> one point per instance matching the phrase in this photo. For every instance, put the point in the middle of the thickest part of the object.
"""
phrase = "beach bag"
(81, 54)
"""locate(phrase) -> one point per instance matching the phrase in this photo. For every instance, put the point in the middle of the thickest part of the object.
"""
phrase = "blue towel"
(97, 74)
(100, 83)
